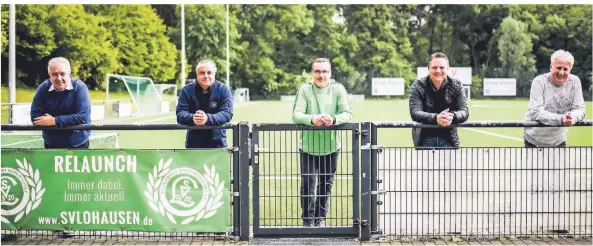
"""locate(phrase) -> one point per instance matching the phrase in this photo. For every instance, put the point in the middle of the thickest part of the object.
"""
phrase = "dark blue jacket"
(219, 111)
(69, 107)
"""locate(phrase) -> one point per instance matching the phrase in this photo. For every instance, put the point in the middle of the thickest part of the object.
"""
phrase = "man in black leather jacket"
(437, 99)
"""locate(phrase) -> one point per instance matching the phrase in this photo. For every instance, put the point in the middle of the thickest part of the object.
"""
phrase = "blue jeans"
(435, 142)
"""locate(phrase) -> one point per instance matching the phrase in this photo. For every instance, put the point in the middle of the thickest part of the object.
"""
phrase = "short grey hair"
(209, 62)
(562, 55)
(322, 60)
(59, 60)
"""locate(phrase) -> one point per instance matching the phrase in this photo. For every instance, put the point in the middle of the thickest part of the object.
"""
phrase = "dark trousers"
(322, 169)
(530, 145)
(82, 146)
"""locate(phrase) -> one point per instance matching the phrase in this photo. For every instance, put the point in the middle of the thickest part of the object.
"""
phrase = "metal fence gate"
(279, 177)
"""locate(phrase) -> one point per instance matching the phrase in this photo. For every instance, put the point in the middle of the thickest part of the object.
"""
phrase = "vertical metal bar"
(366, 191)
(272, 190)
(374, 171)
(182, 74)
(11, 58)
(236, 181)
(255, 177)
(355, 173)
(291, 175)
(244, 179)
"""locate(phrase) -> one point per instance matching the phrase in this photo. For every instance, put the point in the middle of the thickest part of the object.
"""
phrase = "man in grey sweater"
(556, 99)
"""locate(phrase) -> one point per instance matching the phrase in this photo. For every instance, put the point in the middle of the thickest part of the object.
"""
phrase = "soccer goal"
(139, 91)
(241, 95)
(168, 94)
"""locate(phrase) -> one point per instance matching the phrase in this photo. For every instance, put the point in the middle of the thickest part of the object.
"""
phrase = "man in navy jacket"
(205, 102)
(62, 101)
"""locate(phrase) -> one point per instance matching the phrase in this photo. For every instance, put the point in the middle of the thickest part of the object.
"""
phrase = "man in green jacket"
(321, 102)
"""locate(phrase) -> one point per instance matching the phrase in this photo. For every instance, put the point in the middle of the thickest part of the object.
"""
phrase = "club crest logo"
(214, 105)
(21, 191)
(184, 192)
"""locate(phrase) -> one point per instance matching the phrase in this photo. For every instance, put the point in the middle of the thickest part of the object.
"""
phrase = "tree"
(139, 36)
(514, 47)
(381, 33)
(81, 38)
(268, 32)
(47, 31)
(168, 13)
(205, 37)
(4, 31)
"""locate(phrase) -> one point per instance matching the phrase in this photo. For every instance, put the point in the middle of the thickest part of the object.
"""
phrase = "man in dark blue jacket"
(62, 101)
(205, 102)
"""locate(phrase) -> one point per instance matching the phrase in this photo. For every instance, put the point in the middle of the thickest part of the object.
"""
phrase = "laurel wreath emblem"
(37, 190)
(206, 210)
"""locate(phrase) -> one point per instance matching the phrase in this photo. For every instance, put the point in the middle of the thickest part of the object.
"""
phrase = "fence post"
(255, 173)
(236, 181)
(244, 179)
(373, 166)
(365, 193)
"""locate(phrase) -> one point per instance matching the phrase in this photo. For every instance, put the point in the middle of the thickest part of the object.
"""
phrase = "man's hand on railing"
(328, 120)
(45, 120)
(317, 120)
(568, 120)
(200, 118)
(445, 118)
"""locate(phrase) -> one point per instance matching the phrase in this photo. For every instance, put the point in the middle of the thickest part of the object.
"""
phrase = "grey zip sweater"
(548, 102)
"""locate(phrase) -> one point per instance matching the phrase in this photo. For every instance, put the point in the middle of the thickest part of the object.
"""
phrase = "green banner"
(138, 190)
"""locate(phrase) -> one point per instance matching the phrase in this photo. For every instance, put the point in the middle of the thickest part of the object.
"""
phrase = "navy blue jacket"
(69, 107)
(219, 111)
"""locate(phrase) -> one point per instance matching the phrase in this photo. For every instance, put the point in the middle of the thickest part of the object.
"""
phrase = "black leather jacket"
(421, 105)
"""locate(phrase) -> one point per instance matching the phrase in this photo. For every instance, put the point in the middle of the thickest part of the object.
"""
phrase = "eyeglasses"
(321, 71)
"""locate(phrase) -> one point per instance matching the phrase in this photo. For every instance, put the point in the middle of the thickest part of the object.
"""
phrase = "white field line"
(494, 134)
(40, 139)
(22, 142)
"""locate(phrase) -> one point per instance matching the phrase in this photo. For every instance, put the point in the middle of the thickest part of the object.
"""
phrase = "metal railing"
(475, 192)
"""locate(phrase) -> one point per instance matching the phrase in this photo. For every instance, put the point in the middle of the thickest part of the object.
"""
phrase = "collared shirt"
(68, 86)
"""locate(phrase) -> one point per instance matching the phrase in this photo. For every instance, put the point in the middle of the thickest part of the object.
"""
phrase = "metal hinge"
(361, 223)
(366, 146)
(378, 192)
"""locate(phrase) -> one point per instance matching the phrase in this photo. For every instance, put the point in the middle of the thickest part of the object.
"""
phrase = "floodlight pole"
(182, 74)
(11, 62)
(228, 64)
